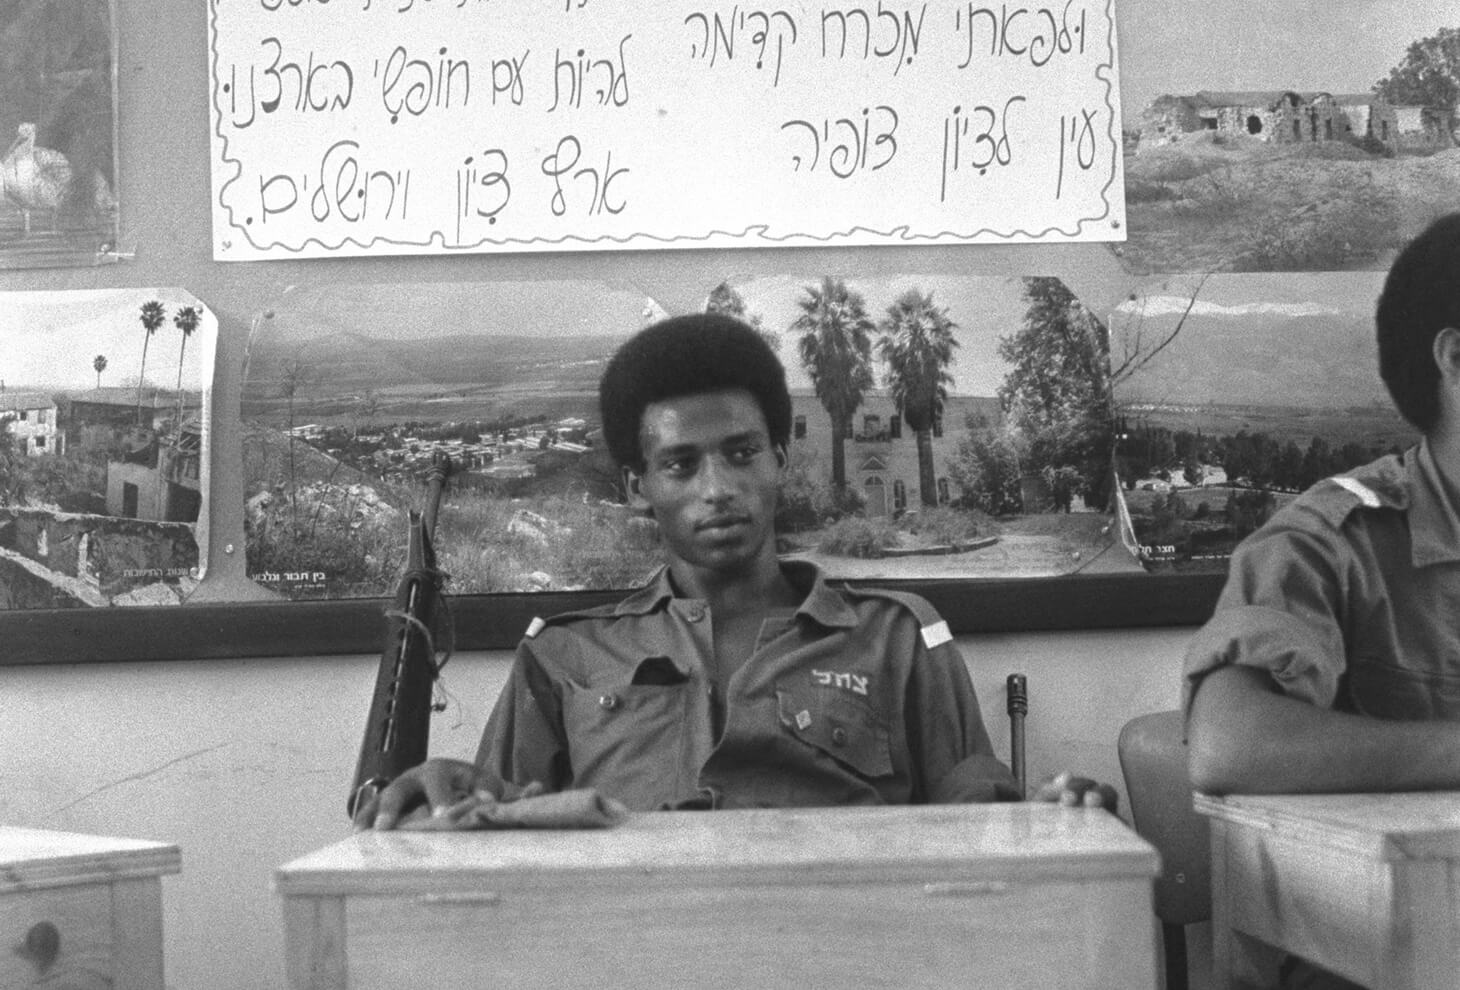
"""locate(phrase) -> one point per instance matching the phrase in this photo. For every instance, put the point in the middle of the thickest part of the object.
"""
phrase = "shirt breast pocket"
(626, 739)
(839, 724)
(1384, 690)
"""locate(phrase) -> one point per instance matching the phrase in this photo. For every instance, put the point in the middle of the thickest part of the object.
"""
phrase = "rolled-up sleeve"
(1278, 612)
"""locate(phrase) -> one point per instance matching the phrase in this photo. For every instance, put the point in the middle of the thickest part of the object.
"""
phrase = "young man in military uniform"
(731, 680)
(1333, 660)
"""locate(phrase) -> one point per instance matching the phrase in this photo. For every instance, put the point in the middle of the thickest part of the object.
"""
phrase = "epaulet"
(1338, 497)
(933, 627)
(539, 623)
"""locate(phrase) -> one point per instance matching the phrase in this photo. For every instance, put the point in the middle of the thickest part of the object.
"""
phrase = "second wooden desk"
(1366, 885)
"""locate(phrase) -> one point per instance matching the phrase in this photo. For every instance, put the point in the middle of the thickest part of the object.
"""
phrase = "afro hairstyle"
(688, 355)
(1421, 297)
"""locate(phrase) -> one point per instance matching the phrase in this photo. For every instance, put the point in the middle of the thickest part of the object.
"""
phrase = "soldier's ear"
(634, 488)
(783, 456)
(1446, 351)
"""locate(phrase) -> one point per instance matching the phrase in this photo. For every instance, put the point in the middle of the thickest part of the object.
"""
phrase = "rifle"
(398, 728)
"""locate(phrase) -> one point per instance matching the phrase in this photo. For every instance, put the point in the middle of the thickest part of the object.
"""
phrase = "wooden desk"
(1365, 885)
(974, 896)
(81, 911)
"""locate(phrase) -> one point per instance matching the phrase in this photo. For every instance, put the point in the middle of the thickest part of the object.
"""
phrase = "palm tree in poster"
(99, 363)
(917, 344)
(152, 317)
(186, 320)
(836, 348)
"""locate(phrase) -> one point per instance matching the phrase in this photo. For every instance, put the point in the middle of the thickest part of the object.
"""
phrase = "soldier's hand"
(438, 784)
(1077, 792)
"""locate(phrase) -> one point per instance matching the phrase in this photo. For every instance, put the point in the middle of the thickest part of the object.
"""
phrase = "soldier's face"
(711, 477)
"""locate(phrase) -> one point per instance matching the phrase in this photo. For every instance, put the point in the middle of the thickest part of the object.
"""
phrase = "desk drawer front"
(60, 936)
(886, 934)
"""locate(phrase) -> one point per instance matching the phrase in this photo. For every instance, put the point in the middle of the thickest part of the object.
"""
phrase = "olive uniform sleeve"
(1279, 612)
(524, 741)
(953, 759)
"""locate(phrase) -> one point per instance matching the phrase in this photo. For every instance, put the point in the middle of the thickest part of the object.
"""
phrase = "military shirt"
(1350, 596)
(859, 697)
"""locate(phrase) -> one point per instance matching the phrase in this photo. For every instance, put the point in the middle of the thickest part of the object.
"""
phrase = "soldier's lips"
(721, 523)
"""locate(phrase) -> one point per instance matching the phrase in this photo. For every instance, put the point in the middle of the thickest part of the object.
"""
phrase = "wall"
(245, 764)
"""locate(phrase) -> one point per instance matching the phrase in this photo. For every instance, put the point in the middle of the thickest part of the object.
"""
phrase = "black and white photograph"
(599, 494)
(352, 393)
(1258, 387)
(104, 446)
(1286, 136)
(58, 174)
(968, 433)
(976, 428)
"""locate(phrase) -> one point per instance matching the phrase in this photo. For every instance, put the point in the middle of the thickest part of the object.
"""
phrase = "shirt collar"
(822, 603)
(1434, 527)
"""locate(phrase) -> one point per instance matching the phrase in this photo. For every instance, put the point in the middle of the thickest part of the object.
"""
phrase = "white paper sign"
(377, 127)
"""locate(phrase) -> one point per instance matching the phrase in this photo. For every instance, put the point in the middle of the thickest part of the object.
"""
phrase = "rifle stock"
(398, 728)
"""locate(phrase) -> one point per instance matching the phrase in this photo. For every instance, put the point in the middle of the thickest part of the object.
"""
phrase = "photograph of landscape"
(104, 446)
(1267, 385)
(971, 435)
(1281, 137)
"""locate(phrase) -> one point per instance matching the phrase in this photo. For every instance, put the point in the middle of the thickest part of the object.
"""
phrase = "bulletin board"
(1197, 200)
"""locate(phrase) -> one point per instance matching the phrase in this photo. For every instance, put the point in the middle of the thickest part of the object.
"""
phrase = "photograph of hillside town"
(103, 447)
(943, 426)
(1248, 152)
(1266, 385)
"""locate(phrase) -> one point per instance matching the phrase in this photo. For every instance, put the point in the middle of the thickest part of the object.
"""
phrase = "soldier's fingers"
(1078, 785)
(388, 807)
(1101, 796)
(365, 814)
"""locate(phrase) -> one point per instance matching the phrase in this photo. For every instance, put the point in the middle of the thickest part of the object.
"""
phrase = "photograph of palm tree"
(943, 426)
(58, 203)
(1261, 386)
(104, 446)
(1265, 136)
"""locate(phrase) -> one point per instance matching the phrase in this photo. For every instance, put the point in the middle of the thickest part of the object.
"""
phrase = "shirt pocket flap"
(841, 725)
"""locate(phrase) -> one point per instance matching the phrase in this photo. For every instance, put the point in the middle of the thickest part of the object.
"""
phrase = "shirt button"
(608, 702)
(695, 613)
(839, 736)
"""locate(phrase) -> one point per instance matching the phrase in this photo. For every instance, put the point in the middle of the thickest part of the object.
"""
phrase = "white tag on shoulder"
(937, 634)
(535, 626)
(1367, 497)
